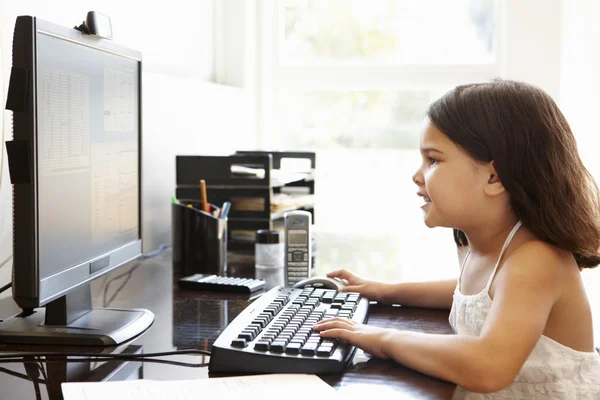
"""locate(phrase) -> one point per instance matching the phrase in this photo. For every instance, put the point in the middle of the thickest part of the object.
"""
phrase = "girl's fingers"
(339, 319)
(343, 323)
(335, 274)
(343, 334)
(341, 273)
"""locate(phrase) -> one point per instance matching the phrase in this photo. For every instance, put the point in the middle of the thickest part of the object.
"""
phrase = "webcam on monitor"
(96, 24)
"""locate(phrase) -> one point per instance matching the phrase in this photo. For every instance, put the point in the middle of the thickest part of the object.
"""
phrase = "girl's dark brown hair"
(521, 129)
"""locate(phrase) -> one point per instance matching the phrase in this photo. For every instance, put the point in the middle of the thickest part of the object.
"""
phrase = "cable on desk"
(121, 356)
(86, 357)
(116, 358)
(129, 273)
(156, 252)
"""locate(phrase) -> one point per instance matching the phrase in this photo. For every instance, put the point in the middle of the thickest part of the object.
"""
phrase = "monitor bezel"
(29, 291)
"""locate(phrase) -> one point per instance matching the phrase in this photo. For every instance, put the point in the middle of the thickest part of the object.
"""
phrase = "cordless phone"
(298, 250)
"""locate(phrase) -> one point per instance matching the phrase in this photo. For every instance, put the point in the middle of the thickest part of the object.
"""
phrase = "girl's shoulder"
(540, 259)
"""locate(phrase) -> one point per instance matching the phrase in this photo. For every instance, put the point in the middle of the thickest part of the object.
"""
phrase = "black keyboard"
(274, 334)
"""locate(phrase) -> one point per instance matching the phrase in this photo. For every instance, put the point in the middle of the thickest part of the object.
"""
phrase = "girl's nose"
(417, 179)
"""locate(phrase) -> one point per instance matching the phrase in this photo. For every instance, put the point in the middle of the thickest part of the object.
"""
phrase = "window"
(354, 119)
(352, 80)
(355, 74)
(388, 31)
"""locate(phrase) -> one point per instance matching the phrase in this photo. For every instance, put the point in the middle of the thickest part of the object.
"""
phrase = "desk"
(195, 319)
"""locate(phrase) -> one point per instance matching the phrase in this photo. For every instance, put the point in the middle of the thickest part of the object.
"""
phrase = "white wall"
(580, 102)
(182, 112)
(531, 49)
(580, 80)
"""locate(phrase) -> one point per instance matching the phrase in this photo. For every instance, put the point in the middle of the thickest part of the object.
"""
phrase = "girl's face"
(449, 181)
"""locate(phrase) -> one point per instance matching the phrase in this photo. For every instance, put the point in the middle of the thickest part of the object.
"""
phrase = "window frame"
(528, 39)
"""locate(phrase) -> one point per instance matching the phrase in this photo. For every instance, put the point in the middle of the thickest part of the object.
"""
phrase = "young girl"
(501, 167)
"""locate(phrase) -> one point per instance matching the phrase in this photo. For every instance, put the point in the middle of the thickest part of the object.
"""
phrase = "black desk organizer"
(251, 197)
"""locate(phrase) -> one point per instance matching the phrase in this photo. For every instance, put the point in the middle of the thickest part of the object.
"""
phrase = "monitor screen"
(75, 164)
(87, 146)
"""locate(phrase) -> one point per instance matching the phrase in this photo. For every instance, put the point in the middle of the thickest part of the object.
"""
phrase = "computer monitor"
(74, 163)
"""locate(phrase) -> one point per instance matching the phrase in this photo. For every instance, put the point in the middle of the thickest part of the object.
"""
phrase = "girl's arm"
(433, 294)
(526, 288)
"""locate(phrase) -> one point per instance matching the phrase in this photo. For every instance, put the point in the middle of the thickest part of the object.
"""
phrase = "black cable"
(129, 273)
(147, 357)
(156, 252)
(42, 370)
(5, 261)
(34, 373)
(120, 356)
(19, 375)
(36, 387)
(6, 287)
(144, 360)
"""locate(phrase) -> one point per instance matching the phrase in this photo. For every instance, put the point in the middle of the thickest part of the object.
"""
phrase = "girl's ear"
(494, 186)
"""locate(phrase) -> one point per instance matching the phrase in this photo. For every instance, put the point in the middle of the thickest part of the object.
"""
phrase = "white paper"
(273, 386)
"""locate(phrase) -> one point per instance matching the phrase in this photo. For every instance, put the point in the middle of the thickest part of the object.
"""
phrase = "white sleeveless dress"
(552, 371)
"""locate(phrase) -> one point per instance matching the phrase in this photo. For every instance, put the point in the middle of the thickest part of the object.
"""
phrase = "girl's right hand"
(370, 289)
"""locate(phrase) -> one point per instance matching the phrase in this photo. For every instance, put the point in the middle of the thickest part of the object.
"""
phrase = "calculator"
(221, 283)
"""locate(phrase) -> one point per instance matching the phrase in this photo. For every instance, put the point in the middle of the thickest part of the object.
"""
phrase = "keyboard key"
(278, 347)
(262, 345)
(308, 351)
(239, 343)
(268, 338)
(293, 348)
(284, 338)
(254, 326)
(325, 350)
(249, 336)
(260, 322)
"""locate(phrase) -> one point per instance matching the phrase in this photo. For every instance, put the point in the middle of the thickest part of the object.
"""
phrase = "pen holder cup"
(199, 239)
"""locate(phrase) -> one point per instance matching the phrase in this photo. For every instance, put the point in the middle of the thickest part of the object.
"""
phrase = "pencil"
(205, 206)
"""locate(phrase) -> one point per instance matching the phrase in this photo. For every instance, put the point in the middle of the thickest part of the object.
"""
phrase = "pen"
(205, 205)
(174, 200)
(225, 210)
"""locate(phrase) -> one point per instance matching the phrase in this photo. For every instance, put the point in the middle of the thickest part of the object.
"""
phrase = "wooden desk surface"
(188, 319)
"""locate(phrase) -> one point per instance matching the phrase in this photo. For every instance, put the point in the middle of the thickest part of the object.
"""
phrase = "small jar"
(268, 254)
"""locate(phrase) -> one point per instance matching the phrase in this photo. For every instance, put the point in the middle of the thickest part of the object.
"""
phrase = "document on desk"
(271, 386)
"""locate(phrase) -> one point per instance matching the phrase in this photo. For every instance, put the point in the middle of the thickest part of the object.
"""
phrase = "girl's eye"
(432, 160)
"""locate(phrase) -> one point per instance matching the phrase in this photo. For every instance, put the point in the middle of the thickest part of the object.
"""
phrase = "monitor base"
(98, 327)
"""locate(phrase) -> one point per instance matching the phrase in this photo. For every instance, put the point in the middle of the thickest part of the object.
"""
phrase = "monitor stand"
(70, 320)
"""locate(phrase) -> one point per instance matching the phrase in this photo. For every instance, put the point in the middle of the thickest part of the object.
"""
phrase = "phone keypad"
(297, 265)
